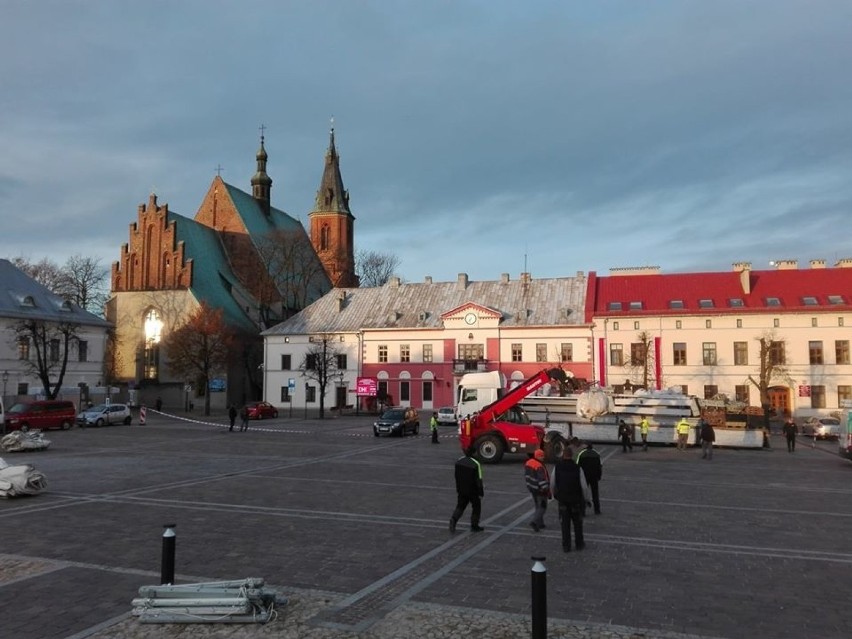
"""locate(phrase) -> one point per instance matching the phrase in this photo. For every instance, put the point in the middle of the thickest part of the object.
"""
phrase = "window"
(708, 350)
(311, 361)
(635, 326)
(736, 302)
(405, 391)
(840, 321)
(776, 322)
(471, 352)
(615, 326)
(541, 352)
(739, 323)
(678, 324)
(383, 353)
(835, 299)
(341, 362)
(82, 351)
(382, 391)
(684, 389)
(705, 303)
(566, 352)
(427, 352)
(427, 391)
(679, 353)
(676, 304)
(637, 354)
(815, 353)
(404, 352)
(817, 396)
(517, 353)
(776, 354)
(285, 394)
(841, 351)
(708, 323)
(616, 355)
(844, 394)
(814, 322)
(310, 394)
(614, 306)
(809, 300)
(151, 359)
(741, 393)
(635, 306)
(710, 391)
(24, 348)
(740, 353)
(286, 362)
(773, 301)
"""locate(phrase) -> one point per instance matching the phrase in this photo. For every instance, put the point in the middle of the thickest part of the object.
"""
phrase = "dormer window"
(773, 301)
(635, 306)
(736, 302)
(835, 299)
(614, 306)
(66, 306)
(705, 303)
(676, 304)
(28, 301)
(809, 300)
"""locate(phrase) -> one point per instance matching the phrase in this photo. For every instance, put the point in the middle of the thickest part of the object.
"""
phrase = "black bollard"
(167, 568)
(539, 599)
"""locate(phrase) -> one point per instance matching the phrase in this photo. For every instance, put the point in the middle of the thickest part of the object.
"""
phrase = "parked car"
(104, 415)
(397, 421)
(821, 427)
(41, 414)
(261, 410)
(447, 416)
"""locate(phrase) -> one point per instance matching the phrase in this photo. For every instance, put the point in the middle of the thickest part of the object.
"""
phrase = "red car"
(261, 410)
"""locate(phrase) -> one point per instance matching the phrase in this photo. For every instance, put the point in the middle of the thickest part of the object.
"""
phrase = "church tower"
(261, 183)
(332, 223)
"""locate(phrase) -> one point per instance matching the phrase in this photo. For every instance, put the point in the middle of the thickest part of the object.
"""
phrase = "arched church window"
(325, 237)
(153, 328)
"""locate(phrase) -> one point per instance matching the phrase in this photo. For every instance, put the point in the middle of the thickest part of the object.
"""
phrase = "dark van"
(51, 413)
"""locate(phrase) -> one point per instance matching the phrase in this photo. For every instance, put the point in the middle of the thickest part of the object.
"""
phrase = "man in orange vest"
(538, 483)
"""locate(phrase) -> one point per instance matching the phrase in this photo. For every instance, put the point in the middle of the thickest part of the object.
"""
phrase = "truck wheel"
(489, 449)
(417, 428)
(553, 445)
(66, 425)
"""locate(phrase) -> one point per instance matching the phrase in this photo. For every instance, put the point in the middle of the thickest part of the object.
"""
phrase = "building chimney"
(785, 265)
(461, 285)
(428, 279)
(741, 266)
(393, 282)
(745, 277)
(526, 278)
(845, 262)
(504, 278)
(817, 263)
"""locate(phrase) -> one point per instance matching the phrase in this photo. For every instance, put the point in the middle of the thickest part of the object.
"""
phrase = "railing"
(462, 366)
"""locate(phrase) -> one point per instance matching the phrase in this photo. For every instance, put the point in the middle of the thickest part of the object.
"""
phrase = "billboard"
(366, 386)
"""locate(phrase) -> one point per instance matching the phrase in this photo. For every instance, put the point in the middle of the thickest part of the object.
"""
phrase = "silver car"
(821, 427)
(104, 414)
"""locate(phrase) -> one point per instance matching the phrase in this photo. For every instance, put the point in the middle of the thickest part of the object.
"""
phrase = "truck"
(500, 426)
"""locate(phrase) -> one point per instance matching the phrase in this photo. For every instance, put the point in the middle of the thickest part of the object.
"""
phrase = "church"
(240, 254)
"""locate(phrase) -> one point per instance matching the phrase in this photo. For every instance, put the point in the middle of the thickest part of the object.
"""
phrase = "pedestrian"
(433, 426)
(538, 483)
(232, 416)
(158, 405)
(708, 436)
(624, 434)
(643, 432)
(682, 428)
(244, 418)
(568, 489)
(790, 430)
(469, 490)
(589, 461)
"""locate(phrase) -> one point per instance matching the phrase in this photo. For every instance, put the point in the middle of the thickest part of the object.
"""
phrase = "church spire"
(331, 195)
(261, 183)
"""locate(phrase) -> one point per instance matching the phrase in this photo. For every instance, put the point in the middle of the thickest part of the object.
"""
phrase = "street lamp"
(5, 379)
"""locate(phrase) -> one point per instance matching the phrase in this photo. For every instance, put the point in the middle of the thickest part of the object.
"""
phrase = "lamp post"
(5, 380)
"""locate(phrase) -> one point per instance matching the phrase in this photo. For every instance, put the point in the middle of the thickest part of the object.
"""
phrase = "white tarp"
(20, 480)
(18, 441)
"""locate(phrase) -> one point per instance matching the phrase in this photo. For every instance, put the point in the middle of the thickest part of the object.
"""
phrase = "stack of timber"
(242, 601)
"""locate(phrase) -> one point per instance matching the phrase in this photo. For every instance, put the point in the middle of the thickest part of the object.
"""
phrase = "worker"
(624, 436)
(589, 461)
(469, 490)
(538, 483)
(643, 432)
(682, 428)
(569, 489)
(433, 426)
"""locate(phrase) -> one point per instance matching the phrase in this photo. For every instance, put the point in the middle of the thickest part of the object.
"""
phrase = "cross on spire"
(261, 128)
(219, 169)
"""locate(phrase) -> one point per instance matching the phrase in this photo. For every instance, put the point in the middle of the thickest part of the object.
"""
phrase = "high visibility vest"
(643, 426)
(682, 427)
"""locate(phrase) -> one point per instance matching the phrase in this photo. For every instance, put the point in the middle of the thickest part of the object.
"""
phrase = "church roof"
(331, 195)
(257, 222)
(213, 281)
(23, 298)
(524, 302)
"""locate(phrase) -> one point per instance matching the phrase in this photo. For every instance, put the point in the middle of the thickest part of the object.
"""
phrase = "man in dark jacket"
(538, 483)
(708, 436)
(589, 460)
(469, 490)
(790, 430)
(624, 435)
(568, 490)
(232, 415)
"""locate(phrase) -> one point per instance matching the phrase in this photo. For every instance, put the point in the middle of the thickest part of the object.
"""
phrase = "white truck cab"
(477, 390)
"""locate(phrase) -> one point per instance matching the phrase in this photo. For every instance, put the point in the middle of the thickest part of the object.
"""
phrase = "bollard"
(142, 414)
(539, 599)
(167, 567)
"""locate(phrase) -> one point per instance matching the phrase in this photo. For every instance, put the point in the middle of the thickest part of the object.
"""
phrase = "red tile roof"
(656, 291)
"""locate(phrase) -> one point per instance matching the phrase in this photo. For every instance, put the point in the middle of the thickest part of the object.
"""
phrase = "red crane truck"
(502, 426)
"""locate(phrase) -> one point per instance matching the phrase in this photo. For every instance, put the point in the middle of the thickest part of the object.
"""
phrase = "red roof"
(821, 289)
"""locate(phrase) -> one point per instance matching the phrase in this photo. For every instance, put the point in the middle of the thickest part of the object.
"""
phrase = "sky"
(479, 137)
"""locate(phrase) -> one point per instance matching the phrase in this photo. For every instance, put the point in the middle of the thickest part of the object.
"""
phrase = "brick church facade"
(239, 254)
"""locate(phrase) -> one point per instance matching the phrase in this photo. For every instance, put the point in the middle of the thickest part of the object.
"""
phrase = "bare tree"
(321, 365)
(51, 343)
(84, 282)
(200, 349)
(294, 276)
(772, 369)
(642, 358)
(375, 268)
(46, 272)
